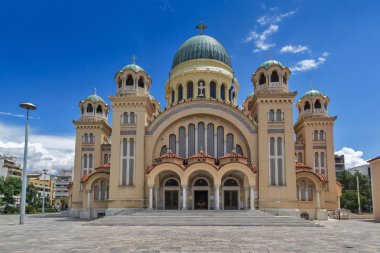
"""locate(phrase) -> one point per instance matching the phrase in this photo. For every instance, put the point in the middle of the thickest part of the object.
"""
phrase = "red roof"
(201, 155)
(171, 155)
(232, 155)
(99, 170)
(104, 166)
(301, 166)
(321, 176)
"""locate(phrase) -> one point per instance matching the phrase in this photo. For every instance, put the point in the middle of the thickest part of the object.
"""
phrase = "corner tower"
(315, 140)
(92, 132)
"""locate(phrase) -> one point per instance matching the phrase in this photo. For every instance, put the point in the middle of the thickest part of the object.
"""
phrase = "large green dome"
(312, 93)
(201, 47)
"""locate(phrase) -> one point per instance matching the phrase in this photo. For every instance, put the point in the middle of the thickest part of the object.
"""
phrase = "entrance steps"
(201, 218)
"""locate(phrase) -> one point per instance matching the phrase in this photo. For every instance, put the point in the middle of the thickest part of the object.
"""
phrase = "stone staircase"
(201, 218)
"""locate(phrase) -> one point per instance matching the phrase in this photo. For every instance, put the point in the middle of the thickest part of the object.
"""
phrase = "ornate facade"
(203, 151)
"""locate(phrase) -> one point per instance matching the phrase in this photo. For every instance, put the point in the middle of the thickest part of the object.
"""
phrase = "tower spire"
(201, 27)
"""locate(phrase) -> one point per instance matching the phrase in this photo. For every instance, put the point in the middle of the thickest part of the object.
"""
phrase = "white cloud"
(44, 151)
(352, 158)
(294, 49)
(309, 64)
(16, 115)
(260, 39)
(272, 19)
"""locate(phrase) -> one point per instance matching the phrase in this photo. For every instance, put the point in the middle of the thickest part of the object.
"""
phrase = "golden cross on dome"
(134, 59)
(201, 27)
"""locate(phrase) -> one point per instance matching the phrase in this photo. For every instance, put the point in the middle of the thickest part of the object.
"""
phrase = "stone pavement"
(59, 234)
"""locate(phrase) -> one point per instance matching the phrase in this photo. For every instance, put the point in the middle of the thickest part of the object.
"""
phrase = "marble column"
(246, 192)
(216, 197)
(184, 197)
(150, 197)
(156, 197)
(251, 199)
(88, 200)
(318, 200)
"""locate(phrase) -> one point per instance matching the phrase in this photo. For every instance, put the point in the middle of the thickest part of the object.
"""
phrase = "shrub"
(30, 209)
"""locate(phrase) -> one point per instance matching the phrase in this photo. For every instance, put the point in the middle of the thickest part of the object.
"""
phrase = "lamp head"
(28, 106)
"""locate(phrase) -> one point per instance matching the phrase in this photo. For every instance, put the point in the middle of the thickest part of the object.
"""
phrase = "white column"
(184, 197)
(251, 199)
(246, 198)
(88, 200)
(150, 197)
(216, 197)
(196, 140)
(318, 200)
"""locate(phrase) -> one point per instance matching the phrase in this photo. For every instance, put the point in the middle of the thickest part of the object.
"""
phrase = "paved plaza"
(62, 234)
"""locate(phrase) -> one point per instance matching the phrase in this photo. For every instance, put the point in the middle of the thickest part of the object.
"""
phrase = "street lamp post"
(27, 106)
(43, 192)
(357, 187)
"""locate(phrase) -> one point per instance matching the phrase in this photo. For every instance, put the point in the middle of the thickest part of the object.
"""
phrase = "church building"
(203, 151)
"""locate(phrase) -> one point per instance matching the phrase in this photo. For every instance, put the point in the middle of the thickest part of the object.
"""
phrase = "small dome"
(95, 98)
(133, 67)
(270, 63)
(312, 93)
(201, 47)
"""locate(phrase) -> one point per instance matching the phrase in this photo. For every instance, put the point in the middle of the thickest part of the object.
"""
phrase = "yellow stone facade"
(203, 151)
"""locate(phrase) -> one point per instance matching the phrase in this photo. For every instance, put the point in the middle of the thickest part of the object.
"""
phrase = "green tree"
(10, 187)
(349, 198)
(32, 196)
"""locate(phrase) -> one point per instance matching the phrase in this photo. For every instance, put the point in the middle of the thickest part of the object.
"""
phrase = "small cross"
(201, 88)
(201, 27)
(134, 59)
(95, 91)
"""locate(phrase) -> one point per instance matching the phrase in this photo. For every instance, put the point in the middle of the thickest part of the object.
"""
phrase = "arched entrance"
(171, 194)
(231, 193)
(201, 191)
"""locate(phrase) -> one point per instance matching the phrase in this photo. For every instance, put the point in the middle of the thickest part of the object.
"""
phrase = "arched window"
(303, 190)
(131, 147)
(316, 160)
(182, 142)
(201, 88)
(322, 159)
(190, 88)
(171, 182)
(300, 157)
(132, 118)
(124, 156)
(164, 150)
(131, 165)
(239, 150)
(223, 92)
(82, 109)
(86, 138)
(96, 192)
(299, 110)
(89, 108)
(85, 161)
(212, 89)
(230, 142)
(274, 77)
(125, 118)
(210, 140)
(280, 172)
(272, 161)
(230, 182)
(262, 79)
(180, 92)
(201, 137)
(99, 109)
(315, 135)
(191, 140)
(141, 82)
(201, 182)
(129, 81)
(278, 115)
(317, 104)
(321, 135)
(285, 78)
(271, 115)
(105, 160)
(310, 193)
(102, 190)
(173, 96)
(91, 138)
(90, 161)
(120, 83)
(307, 106)
(172, 143)
(220, 141)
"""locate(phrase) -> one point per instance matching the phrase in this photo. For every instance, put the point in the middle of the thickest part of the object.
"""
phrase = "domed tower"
(314, 138)
(201, 69)
(92, 134)
(271, 107)
(132, 80)
(133, 108)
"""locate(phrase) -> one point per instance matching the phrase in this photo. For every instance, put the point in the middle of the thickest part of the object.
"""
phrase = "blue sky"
(53, 53)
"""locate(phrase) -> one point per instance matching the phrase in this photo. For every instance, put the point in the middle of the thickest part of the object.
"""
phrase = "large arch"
(94, 177)
(199, 167)
(162, 168)
(311, 176)
(243, 168)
